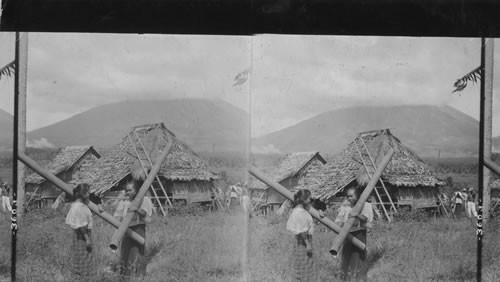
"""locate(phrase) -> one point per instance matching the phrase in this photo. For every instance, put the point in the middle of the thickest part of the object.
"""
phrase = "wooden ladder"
(145, 161)
(383, 195)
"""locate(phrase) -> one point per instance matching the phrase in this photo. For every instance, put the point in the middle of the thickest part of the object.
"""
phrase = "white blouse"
(147, 206)
(79, 215)
(345, 210)
(300, 221)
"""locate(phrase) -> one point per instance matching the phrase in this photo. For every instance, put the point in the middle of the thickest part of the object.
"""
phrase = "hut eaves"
(291, 165)
(63, 161)
(404, 169)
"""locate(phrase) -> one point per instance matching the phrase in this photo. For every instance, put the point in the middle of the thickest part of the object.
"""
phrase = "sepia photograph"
(151, 131)
(376, 136)
(248, 158)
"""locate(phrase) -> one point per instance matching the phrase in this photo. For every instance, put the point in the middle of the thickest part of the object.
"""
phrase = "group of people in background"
(79, 218)
(301, 225)
(464, 202)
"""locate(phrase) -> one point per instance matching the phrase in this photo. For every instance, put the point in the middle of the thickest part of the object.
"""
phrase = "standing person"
(79, 218)
(471, 203)
(132, 259)
(4, 192)
(246, 204)
(352, 258)
(458, 201)
(300, 223)
(233, 198)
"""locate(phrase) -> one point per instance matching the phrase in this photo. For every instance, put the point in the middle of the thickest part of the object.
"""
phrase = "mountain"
(496, 143)
(6, 123)
(425, 129)
(206, 125)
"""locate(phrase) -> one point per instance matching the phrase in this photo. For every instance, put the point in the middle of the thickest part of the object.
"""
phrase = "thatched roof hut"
(289, 173)
(66, 165)
(184, 174)
(406, 175)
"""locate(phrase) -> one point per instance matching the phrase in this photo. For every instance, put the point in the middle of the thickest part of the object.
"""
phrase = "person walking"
(79, 218)
(353, 260)
(300, 224)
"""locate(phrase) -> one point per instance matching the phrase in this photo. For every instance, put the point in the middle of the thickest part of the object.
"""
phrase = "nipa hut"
(66, 165)
(289, 173)
(408, 179)
(184, 175)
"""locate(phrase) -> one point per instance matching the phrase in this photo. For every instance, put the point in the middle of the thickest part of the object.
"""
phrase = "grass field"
(206, 247)
(436, 250)
(209, 247)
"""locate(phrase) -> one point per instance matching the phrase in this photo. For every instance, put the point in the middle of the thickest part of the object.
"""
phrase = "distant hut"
(289, 173)
(184, 175)
(408, 179)
(66, 165)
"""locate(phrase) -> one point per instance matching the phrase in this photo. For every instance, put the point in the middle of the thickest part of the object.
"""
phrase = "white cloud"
(39, 144)
(267, 149)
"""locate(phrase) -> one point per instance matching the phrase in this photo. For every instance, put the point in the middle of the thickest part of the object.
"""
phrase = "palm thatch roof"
(182, 163)
(404, 169)
(290, 166)
(63, 161)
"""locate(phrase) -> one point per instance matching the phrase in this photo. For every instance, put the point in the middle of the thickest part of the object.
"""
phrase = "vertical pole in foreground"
(22, 66)
(244, 257)
(488, 107)
(15, 136)
(480, 169)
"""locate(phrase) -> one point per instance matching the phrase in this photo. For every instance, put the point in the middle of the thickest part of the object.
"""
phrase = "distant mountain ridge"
(206, 125)
(428, 130)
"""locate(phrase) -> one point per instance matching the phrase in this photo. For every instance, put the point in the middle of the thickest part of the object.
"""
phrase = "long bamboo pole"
(339, 240)
(287, 194)
(492, 166)
(118, 235)
(66, 188)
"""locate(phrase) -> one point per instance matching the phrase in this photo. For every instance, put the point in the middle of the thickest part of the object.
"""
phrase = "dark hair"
(300, 197)
(357, 191)
(134, 184)
(79, 190)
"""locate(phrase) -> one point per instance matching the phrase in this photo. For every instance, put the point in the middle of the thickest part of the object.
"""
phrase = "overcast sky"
(293, 77)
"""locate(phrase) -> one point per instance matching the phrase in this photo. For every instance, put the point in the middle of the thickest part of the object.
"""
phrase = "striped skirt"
(132, 260)
(303, 265)
(353, 260)
(82, 260)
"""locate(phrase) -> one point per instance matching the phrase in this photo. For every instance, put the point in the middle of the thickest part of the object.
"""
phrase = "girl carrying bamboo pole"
(132, 260)
(79, 218)
(352, 258)
(300, 223)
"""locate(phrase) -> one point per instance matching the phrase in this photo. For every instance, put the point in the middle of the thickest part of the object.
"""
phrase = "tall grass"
(208, 247)
(187, 248)
(439, 249)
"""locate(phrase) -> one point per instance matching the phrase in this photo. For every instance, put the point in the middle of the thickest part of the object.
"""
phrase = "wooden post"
(488, 104)
(118, 235)
(287, 194)
(339, 240)
(66, 188)
(22, 82)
